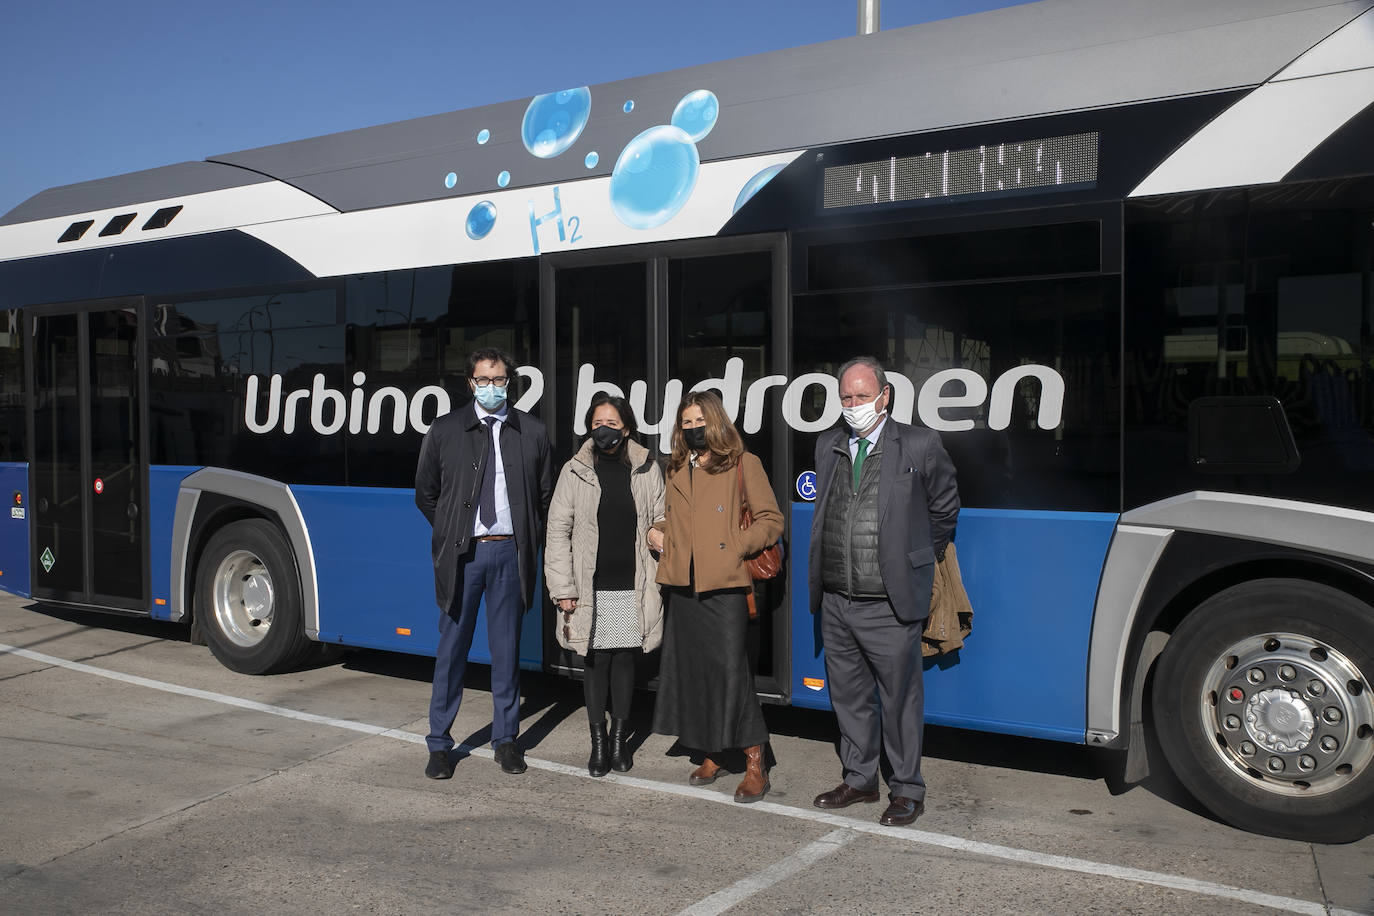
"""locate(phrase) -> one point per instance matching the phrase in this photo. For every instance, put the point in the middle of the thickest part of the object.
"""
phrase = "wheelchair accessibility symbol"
(806, 485)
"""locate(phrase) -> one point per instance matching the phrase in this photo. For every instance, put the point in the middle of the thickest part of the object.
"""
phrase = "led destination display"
(1054, 162)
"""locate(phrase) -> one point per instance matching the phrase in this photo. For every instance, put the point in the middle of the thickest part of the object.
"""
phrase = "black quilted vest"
(849, 531)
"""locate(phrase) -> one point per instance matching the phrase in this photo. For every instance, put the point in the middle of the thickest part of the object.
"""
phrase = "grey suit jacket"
(453, 457)
(918, 502)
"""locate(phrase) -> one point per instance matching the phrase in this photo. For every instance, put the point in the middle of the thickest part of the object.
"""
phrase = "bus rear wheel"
(248, 596)
(1264, 707)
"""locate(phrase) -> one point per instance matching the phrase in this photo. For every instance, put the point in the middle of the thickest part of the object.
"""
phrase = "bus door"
(652, 322)
(88, 467)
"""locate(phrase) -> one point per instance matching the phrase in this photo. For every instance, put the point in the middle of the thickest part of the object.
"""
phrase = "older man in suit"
(484, 482)
(886, 507)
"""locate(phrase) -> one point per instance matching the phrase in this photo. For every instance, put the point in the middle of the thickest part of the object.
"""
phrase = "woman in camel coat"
(706, 694)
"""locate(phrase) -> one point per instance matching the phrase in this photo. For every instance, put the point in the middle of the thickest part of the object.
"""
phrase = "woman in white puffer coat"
(600, 572)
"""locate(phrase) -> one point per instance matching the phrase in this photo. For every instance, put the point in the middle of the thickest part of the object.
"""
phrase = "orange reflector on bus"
(815, 683)
(403, 631)
(159, 601)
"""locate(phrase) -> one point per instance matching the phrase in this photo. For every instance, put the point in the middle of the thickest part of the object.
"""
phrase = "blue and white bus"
(1120, 255)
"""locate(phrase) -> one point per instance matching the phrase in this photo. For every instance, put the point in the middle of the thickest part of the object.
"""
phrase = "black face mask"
(607, 438)
(695, 438)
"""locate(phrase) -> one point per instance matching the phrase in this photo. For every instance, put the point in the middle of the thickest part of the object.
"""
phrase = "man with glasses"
(484, 481)
(886, 504)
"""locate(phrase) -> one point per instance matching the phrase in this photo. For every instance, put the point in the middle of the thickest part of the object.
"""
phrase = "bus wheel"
(1264, 707)
(248, 596)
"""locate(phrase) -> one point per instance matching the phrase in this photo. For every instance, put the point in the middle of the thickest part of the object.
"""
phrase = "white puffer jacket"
(571, 543)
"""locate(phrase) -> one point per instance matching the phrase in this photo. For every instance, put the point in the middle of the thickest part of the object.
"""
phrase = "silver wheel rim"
(1290, 713)
(243, 598)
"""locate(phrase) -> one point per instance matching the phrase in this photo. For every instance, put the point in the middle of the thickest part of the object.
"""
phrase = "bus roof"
(1039, 58)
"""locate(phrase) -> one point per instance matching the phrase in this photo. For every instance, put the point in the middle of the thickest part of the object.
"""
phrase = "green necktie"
(859, 462)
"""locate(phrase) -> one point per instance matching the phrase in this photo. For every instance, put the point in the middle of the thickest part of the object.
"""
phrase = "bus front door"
(88, 469)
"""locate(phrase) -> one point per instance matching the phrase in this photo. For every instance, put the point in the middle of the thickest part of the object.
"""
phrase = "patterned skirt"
(617, 621)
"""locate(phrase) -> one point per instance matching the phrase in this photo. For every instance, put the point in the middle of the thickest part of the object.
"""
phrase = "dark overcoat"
(448, 477)
(918, 505)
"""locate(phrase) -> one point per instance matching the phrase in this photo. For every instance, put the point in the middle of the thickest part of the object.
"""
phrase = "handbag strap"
(746, 518)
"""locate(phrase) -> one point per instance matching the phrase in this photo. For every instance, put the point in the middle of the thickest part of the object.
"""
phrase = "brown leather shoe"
(901, 811)
(755, 784)
(705, 774)
(844, 795)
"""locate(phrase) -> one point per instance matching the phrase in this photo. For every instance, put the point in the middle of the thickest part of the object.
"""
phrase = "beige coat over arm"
(701, 526)
(573, 535)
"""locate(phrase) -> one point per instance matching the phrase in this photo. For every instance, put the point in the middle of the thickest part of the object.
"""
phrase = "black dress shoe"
(439, 766)
(901, 811)
(510, 758)
(844, 795)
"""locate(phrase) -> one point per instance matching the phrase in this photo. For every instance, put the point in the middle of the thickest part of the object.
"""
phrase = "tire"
(1264, 708)
(248, 599)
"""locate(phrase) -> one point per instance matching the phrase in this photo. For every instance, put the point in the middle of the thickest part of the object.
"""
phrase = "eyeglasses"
(500, 381)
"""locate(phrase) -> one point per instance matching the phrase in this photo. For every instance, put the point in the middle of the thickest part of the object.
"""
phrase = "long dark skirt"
(706, 691)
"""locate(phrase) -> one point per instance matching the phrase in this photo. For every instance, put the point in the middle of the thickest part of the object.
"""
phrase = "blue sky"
(97, 89)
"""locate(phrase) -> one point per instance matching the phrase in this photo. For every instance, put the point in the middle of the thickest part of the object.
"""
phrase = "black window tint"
(1026, 446)
(261, 313)
(719, 309)
(206, 359)
(1021, 251)
(12, 422)
(410, 332)
(1250, 294)
(601, 321)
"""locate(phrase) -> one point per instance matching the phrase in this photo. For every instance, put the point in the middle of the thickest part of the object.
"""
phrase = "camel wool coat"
(572, 537)
(701, 526)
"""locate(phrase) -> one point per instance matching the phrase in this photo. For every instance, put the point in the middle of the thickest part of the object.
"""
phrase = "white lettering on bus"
(962, 391)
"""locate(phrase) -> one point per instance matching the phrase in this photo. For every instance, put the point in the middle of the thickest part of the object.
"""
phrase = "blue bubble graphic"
(503, 179)
(483, 136)
(450, 179)
(554, 121)
(696, 114)
(629, 105)
(592, 159)
(481, 218)
(755, 184)
(654, 177)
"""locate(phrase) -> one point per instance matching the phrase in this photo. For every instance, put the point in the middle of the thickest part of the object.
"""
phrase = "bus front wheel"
(1263, 706)
(248, 597)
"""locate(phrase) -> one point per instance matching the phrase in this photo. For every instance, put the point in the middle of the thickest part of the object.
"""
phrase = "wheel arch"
(1168, 557)
(212, 498)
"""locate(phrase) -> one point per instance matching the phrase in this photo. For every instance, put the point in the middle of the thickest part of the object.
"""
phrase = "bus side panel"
(164, 483)
(1032, 580)
(376, 578)
(14, 532)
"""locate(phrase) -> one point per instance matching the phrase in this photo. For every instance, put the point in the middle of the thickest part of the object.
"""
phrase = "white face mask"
(861, 417)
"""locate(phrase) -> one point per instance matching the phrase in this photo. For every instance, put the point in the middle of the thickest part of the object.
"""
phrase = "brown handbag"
(765, 564)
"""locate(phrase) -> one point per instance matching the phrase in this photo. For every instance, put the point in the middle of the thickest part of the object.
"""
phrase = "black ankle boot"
(621, 757)
(598, 764)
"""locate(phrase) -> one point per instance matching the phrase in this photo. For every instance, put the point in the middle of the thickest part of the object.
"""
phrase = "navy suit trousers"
(492, 570)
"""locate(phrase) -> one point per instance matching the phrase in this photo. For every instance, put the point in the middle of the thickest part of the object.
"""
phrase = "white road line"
(906, 834)
(745, 888)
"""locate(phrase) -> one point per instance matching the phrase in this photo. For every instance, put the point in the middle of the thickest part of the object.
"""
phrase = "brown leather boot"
(755, 783)
(705, 774)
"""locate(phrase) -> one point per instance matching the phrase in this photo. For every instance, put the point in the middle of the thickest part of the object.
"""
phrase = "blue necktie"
(486, 503)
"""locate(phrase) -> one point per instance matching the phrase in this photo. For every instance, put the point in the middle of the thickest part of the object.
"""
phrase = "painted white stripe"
(209, 211)
(433, 233)
(1348, 48)
(745, 888)
(905, 834)
(1262, 137)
